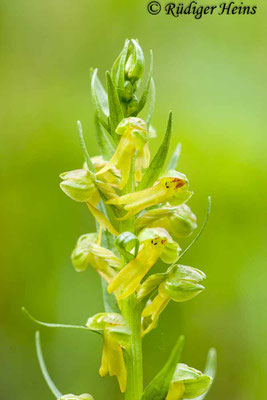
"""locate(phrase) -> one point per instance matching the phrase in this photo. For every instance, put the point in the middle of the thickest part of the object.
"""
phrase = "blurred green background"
(212, 74)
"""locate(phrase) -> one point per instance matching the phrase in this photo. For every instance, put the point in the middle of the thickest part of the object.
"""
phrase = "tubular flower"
(188, 383)
(170, 187)
(116, 338)
(88, 252)
(179, 221)
(133, 132)
(80, 186)
(155, 243)
(84, 396)
(180, 283)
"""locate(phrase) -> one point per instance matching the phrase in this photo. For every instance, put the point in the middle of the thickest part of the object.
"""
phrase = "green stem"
(131, 311)
(133, 357)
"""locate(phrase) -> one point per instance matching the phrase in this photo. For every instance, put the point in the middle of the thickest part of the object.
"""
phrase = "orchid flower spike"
(88, 252)
(134, 137)
(171, 187)
(116, 337)
(155, 243)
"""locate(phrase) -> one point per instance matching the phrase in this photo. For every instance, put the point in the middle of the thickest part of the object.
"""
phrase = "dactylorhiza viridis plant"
(141, 212)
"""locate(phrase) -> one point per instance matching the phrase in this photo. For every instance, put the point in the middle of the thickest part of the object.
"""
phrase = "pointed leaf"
(86, 156)
(120, 73)
(210, 369)
(159, 386)
(152, 103)
(143, 98)
(175, 157)
(45, 373)
(100, 100)
(157, 164)
(115, 110)
(104, 141)
(200, 231)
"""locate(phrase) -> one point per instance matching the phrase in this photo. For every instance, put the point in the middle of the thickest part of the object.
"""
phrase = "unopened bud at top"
(135, 63)
(188, 383)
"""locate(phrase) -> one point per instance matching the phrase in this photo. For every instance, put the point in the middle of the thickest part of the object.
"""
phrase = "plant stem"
(133, 357)
(131, 311)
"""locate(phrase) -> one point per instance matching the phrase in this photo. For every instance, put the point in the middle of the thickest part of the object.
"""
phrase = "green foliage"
(45, 373)
(157, 164)
(159, 386)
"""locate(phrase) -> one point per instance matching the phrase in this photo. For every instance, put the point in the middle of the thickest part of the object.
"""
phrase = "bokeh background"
(212, 74)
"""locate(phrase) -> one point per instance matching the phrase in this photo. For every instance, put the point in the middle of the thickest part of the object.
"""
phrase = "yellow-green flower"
(116, 338)
(111, 176)
(180, 283)
(88, 252)
(155, 243)
(80, 186)
(71, 396)
(171, 187)
(133, 132)
(179, 221)
(188, 383)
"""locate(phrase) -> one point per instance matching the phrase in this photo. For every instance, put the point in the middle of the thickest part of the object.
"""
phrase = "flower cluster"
(141, 212)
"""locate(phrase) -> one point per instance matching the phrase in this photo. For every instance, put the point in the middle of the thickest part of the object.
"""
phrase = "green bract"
(139, 206)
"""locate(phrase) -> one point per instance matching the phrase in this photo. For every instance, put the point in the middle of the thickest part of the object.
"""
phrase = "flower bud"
(132, 105)
(179, 221)
(79, 186)
(188, 383)
(84, 396)
(135, 63)
(128, 91)
(183, 283)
